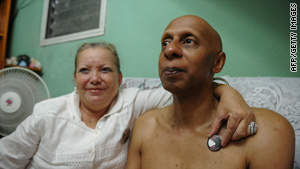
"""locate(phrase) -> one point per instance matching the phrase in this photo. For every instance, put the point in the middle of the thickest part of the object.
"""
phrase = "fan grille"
(26, 84)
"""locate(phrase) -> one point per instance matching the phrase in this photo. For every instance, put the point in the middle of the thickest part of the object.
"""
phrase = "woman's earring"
(75, 89)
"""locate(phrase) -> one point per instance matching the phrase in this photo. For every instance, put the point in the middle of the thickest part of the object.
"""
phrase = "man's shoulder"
(269, 119)
(155, 114)
(152, 119)
(274, 140)
(272, 124)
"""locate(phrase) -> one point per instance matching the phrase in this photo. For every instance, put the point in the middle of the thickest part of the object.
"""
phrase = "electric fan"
(20, 89)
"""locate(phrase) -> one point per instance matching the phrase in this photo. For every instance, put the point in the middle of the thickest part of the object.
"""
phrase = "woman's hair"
(104, 45)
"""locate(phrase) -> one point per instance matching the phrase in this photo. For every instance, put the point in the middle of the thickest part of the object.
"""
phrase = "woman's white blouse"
(55, 137)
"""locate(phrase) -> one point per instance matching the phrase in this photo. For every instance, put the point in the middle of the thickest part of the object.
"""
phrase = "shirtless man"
(176, 136)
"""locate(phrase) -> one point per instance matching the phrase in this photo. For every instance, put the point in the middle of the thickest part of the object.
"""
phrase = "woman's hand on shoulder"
(233, 109)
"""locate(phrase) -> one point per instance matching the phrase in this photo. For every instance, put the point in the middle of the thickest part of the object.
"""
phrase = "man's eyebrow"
(166, 36)
(185, 35)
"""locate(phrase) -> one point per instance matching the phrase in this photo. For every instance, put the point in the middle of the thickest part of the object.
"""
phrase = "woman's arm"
(233, 109)
(17, 149)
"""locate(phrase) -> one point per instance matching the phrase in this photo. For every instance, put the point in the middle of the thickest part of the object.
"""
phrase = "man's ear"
(219, 62)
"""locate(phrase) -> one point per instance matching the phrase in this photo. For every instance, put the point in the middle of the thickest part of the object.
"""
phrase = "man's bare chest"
(168, 149)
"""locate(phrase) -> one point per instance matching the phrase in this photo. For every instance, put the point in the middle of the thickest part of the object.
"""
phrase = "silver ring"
(252, 127)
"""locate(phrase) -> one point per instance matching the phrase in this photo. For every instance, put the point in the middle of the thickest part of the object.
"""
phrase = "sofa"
(280, 94)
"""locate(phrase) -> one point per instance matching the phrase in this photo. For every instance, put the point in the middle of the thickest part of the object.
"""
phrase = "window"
(67, 20)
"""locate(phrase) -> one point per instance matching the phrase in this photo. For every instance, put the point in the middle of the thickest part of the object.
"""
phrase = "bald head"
(191, 54)
(202, 26)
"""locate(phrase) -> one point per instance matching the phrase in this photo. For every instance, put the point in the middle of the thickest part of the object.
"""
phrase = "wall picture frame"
(69, 20)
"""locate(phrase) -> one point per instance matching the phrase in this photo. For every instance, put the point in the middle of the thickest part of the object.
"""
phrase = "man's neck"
(195, 110)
